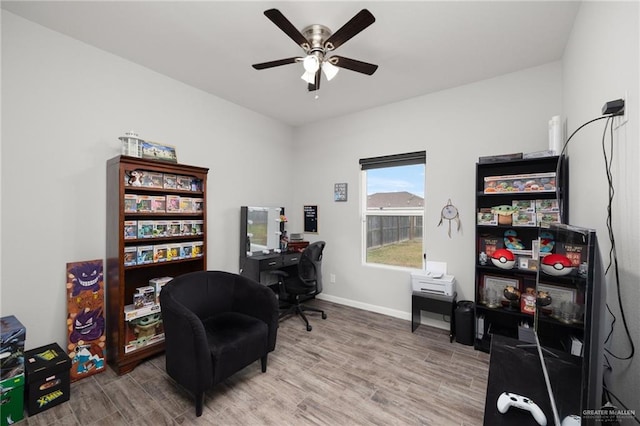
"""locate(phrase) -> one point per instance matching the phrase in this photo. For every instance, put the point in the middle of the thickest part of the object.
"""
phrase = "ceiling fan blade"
(353, 65)
(359, 22)
(316, 85)
(285, 25)
(277, 63)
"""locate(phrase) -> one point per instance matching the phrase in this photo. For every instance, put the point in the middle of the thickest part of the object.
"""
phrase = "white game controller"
(507, 400)
(571, 420)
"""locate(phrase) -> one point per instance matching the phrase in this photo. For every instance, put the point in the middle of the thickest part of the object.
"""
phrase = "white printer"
(434, 280)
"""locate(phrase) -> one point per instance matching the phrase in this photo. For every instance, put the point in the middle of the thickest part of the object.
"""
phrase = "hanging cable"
(613, 256)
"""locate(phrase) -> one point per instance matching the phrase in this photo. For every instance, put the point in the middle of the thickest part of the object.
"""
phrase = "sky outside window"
(396, 179)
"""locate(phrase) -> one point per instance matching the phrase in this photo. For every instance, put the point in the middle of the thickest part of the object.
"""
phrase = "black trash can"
(465, 324)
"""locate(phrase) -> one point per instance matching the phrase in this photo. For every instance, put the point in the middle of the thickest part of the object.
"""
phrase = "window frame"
(388, 161)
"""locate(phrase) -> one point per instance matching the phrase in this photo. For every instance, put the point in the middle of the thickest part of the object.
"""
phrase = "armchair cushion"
(235, 340)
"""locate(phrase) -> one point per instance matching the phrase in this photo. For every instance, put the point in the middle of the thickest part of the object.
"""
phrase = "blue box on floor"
(12, 337)
(48, 381)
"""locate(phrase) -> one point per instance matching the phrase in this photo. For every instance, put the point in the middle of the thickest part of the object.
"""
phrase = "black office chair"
(293, 290)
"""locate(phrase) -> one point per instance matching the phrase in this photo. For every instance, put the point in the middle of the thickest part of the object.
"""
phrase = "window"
(393, 207)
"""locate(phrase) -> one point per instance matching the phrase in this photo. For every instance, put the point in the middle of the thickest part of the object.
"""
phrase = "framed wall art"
(340, 192)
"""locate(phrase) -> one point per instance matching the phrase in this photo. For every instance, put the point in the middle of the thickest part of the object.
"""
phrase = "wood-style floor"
(355, 368)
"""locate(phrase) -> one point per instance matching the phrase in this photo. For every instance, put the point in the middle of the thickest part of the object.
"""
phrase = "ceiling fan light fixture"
(329, 70)
(311, 63)
(309, 77)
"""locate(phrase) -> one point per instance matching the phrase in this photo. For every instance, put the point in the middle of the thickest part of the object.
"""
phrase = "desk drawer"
(272, 263)
(291, 259)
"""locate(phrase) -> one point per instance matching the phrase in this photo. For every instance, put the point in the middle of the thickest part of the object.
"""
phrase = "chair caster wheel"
(309, 328)
(324, 316)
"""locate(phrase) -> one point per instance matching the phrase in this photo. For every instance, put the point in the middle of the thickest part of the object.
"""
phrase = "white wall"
(501, 115)
(601, 64)
(64, 104)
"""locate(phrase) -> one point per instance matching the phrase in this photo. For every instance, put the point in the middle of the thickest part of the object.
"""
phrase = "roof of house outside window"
(394, 200)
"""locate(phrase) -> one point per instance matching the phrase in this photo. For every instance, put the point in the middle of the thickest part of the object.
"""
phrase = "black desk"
(445, 305)
(252, 266)
(517, 369)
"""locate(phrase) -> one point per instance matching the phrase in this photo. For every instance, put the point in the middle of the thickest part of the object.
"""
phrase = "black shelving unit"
(540, 181)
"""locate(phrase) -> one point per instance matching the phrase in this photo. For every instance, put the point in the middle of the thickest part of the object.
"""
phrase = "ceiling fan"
(317, 41)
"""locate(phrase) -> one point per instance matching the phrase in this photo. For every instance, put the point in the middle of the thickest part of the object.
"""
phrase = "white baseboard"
(382, 310)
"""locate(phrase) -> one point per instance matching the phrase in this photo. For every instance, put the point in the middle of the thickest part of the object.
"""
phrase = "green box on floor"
(12, 400)
(48, 381)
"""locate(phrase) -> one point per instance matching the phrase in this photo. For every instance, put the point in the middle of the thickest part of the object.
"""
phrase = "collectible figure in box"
(170, 181)
(186, 250)
(198, 204)
(186, 204)
(527, 206)
(130, 254)
(198, 227)
(547, 206)
(152, 180)
(85, 320)
(160, 228)
(184, 183)
(138, 300)
(198, 249)
(130, 229)
(130, 203)
(12, 337)
(145, 229)
(148, 294)
(158, 283)
(487, 218)
(187, 227)
(133, 178)
(524, 219)
(158, 204)
(144, 203)
(173, 252)
(173, 203)
(547, 218)
(175, 228)
(145, 254)
(196, 185)
(144, 331)
(160, 253)
(131, 312)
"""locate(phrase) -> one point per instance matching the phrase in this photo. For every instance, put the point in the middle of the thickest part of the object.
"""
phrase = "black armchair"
(305, 285)
(215, 324)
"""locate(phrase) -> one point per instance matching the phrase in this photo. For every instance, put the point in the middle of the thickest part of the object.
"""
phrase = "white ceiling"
(420, 46)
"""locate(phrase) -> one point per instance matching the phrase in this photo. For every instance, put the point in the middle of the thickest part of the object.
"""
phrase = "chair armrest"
(188, 359)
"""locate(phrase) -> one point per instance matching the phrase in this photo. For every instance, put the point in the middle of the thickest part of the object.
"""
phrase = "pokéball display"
(556, 265)
(503, 258)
